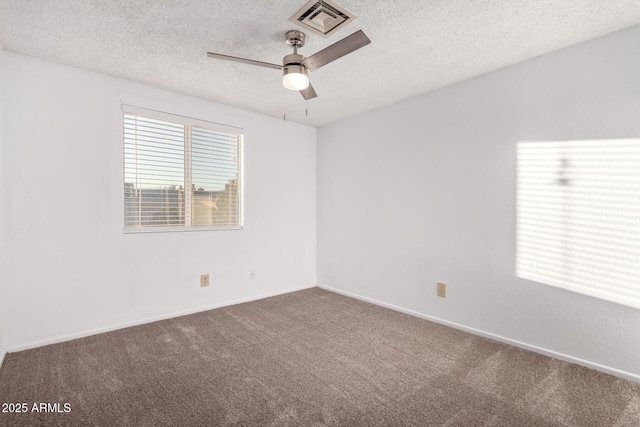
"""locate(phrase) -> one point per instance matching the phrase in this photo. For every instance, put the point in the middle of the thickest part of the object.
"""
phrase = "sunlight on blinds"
(578, 217)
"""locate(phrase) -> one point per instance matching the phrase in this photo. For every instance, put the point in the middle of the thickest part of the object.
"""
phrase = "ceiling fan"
(295, 67)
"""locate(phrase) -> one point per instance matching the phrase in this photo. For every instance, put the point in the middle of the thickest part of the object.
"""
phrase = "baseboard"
(606, 369)
(2, 355)
(69, 337)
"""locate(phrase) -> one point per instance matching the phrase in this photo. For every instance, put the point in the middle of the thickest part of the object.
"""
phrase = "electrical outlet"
(442, 290)
(252, 274)
(204, 280)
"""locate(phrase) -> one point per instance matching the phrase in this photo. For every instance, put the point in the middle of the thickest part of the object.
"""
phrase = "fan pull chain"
(284, 104)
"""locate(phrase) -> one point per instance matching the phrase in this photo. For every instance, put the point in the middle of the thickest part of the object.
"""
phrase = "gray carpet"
(308, 358)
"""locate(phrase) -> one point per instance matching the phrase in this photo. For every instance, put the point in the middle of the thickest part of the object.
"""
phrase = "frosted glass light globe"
(294, 75)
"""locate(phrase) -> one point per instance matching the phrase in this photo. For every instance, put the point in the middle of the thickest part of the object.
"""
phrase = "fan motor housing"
(294, 68)
(292, 64)
(292, 59)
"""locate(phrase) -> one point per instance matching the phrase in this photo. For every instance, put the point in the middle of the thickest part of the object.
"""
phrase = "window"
(578, 217)
(180, 173)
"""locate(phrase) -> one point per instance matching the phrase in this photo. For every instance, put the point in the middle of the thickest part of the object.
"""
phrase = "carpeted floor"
(308, 358)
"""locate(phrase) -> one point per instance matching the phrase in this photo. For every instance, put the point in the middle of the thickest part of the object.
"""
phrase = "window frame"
(190, 122)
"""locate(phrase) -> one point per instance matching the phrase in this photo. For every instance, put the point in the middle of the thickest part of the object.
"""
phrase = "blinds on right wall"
(578, 216)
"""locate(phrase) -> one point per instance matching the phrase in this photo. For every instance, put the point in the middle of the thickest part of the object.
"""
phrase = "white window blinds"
(180, 173)
(578, 217)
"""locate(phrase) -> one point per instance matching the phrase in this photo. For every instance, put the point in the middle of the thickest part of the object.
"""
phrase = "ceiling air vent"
(322, 17)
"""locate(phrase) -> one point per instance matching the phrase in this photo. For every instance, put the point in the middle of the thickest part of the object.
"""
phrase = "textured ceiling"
(417, 46)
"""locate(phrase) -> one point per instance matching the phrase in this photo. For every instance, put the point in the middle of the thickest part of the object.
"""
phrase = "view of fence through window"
(578, 216)
(180, 175)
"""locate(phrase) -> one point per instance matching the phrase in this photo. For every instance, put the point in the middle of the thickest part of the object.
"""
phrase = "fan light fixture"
(294, 77)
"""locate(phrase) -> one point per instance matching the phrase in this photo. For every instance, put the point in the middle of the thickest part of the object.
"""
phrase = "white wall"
(73, 271)
(3, 251)
(424, 191)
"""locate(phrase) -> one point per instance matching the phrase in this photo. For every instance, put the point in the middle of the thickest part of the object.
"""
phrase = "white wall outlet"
(252, 274)
(204, 280)
(442, 289)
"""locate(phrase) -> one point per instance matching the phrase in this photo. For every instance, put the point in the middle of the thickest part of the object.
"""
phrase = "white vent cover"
(322, 17)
